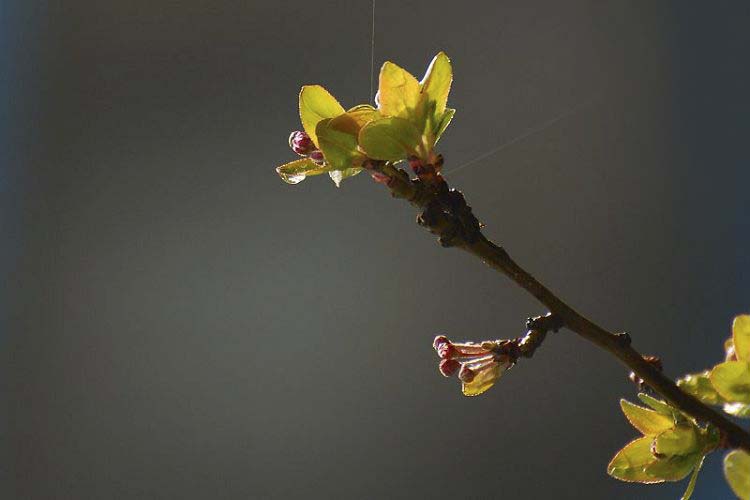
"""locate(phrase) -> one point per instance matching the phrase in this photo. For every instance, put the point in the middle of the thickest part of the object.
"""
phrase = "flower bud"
(466, 374)
(449, 367)
(380, 178)
(440, 339)
(317, 157)
(301, 143)
(446, 351)
(416, 164)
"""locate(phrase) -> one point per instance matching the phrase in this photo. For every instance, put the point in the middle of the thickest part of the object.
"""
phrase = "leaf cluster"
(673, 445)
(408, 121)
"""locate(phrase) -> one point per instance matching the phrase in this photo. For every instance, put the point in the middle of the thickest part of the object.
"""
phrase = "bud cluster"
(475, 363)
(427, 171)
(303, 145)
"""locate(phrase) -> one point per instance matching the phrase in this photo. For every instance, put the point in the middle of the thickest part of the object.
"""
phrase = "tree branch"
(446, 214)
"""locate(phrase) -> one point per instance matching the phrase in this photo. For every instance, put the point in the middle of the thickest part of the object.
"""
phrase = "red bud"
(301, 143)
(449, 367)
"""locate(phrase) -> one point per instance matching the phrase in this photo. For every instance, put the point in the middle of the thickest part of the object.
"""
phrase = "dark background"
(178, 323)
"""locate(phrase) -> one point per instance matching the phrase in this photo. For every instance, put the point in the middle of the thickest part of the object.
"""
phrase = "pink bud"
(446, 351)
(415, 163)
(301, 143)
(449, 367)
(440, 339)
(466, 374)
(317, 157)
(380, 178)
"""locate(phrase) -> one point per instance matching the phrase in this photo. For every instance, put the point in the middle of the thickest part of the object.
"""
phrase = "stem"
(447, 215)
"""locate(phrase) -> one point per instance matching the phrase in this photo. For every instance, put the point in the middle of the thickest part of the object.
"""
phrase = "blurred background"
(179, 323)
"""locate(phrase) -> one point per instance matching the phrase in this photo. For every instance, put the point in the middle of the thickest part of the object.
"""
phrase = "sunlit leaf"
(483, 380)
(741, 337)
(398, 92)
(629, 463)
(673, 468)
(435, 87)
(316, 104)
(363, 113)
(737, 472)
(444, 122)
(682, 440)
(436, 84)
(658, 405)
(390, 139)
(295, 171)
(732, 380)
(699, 385)
(693, 479)
(649, 422)
(339, 175)
(738, 409)
(337, 138)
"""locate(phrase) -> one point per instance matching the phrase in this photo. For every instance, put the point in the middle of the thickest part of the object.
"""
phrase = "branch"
(446, 214)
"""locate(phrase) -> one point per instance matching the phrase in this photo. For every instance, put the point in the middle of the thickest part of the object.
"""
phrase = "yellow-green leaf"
(741, 337)
(738, 409)
(337, 138)
(673, 468)
(682, 440)
(444, 122)
(316, 104)
(295, 171)
(657, 404)
(737, 472)
(389, 139)
(339, 175)
(699, 385)
(483, 380)
(629, 463)
(693, 479)
(731, 379)
(363, 113)
(649, 422)
(398, 92)
(436, 84)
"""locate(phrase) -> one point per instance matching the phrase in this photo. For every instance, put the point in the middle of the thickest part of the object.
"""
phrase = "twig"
(446, 214)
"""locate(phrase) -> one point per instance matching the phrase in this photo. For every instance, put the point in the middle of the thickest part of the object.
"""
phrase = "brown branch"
(446, 214)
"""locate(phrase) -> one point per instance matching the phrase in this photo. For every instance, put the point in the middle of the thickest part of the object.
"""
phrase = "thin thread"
(519, 138)
(372, 55)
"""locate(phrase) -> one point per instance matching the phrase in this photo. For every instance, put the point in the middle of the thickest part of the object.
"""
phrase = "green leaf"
(732, 380)
(435, 87)
(682, 440)
(649, 422)
(389, 139)
(444, 122)
(337, 176)
(316, 104)
(737, 472)
(483, 380)
(738, 410)
(741, 336)
(657, 404)
(398, 92)
(363, 113)
(295, 172)
(699, 385)
(629, 463)
(436, 84)
(693, 479)
(337, 138)
(673, 468)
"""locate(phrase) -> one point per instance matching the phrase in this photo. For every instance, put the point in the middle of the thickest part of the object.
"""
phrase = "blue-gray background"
(178, 323)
